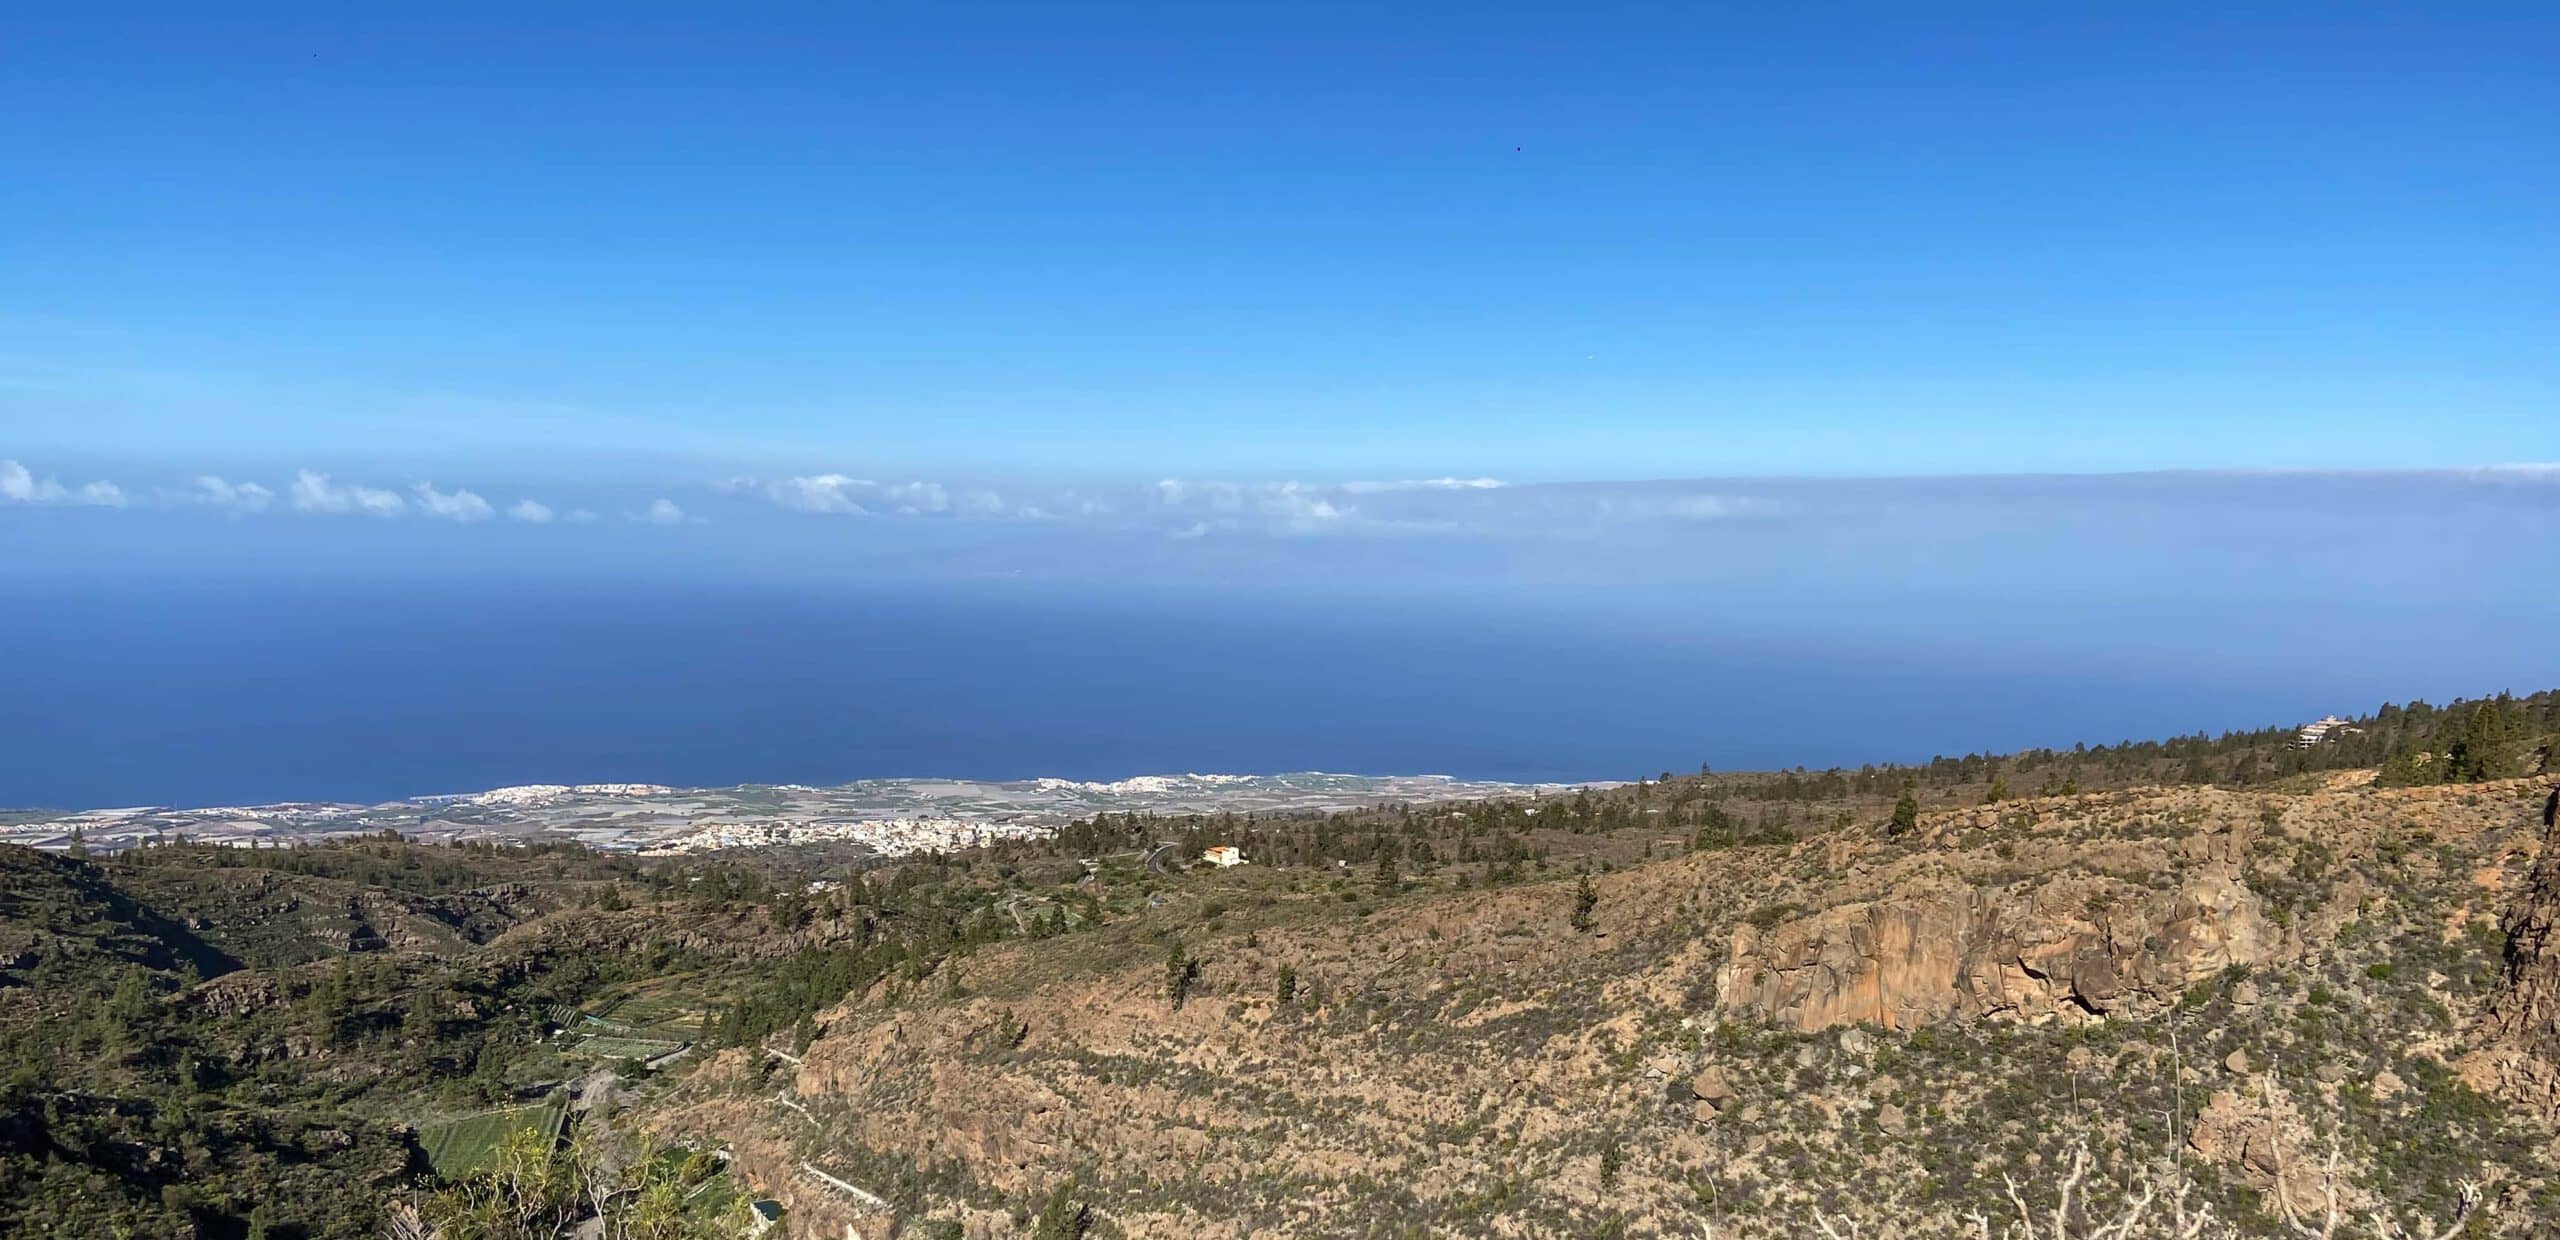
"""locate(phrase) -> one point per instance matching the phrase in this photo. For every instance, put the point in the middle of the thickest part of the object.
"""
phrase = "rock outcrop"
(2070, 947)
(2521, 1027)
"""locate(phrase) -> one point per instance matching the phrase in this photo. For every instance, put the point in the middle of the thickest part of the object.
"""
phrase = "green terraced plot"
(606, 1046)
(461, 1147)
(674, 1012)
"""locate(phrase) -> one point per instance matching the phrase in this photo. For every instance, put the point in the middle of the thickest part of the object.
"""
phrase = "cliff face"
(2068, 948)
(2522, 1025)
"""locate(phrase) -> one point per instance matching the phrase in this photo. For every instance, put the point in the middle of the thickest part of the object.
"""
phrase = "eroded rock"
(1936, 949)
(2521, 1032)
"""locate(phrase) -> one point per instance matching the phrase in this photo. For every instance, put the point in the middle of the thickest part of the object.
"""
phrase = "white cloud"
(19, 485)
(845, 495)
(2520, 473)
(1301, 509)
(663, 512)
(918, 498)
(458, 506)
(237, 496)
(1191, 508)
(1287, 507)
(313, 492)
(1424, 484)
(531, 512)
(1215, 496)
(823, 493)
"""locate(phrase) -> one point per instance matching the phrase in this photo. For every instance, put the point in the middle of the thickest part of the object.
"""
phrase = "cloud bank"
(310, 493)
(20, 485)
(845, 495)
(870, 509)
(1189, 509)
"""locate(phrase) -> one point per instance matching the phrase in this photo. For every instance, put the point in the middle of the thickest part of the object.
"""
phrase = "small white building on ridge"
(2322, 729)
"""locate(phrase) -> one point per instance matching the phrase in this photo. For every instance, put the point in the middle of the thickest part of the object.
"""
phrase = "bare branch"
(2080, 1163)
(2026, 1218)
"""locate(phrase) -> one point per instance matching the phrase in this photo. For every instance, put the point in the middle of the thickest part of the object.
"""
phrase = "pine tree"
(1585, 899)
(1906, 811)
(1180, 971)
(2479, 752)
(1288, 988)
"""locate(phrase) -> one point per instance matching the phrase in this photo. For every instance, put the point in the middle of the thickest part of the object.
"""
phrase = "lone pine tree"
(1906, 811)
(1585, 899)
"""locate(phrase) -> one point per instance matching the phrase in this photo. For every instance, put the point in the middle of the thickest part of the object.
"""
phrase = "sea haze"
(123, 693)
(179, 655)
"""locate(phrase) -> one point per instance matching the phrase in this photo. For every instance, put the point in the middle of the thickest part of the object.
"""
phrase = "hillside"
(2215, 985)
(1763, 1003)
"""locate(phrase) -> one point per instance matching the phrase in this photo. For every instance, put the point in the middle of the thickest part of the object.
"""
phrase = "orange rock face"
(1936, 949)
(2522, 1026)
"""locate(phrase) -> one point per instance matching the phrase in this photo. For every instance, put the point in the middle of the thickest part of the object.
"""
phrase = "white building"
(1224, 855)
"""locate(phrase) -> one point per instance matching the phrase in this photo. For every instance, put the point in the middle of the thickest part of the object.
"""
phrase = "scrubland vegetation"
(1500, 1018)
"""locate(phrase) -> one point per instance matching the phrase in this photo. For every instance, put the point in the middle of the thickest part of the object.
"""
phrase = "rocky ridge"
(1854, 1025)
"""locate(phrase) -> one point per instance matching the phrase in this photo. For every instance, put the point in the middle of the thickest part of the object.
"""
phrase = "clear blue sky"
(413, 397)
(547, 246)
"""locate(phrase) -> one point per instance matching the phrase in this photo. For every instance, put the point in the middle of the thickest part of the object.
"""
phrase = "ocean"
(119, 692)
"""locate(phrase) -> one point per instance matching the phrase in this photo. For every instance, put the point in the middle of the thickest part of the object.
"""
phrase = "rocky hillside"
(2268, 1005)
(2522, 1032)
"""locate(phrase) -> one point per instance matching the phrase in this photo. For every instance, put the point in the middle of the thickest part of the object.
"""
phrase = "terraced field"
(458, 1148)
(664, 1008)
(613, 1046)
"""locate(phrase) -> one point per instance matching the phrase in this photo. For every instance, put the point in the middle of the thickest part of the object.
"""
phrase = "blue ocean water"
(121, 693)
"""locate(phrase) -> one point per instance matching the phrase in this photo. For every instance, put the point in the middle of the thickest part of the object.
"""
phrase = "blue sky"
(409, 399)
(635, 252)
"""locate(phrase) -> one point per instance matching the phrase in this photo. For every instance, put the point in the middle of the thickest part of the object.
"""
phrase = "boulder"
(2244, 1136)
(1712, 1089)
